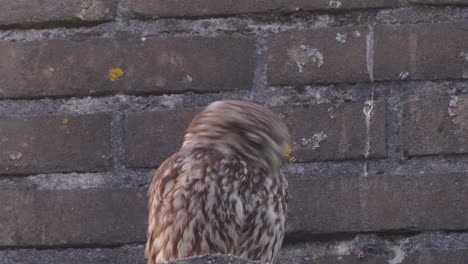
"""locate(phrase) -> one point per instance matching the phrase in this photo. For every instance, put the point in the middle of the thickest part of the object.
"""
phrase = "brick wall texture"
(95, 94)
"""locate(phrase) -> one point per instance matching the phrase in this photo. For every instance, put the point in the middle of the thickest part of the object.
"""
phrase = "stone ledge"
(217, 258)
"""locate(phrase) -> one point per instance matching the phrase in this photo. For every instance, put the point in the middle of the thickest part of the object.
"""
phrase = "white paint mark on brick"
(334, 4)
(187, 78)
(453, 104)
(304, 55)
(399, 255)
(357, 34)
(314, 141)
(368, 109)
(464, 55)
(331, 113)
(16, 156)
(403, 75)
(370, 53)
(343, 248)
(341, 38)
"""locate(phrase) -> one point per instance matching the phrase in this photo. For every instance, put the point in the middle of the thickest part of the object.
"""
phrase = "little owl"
(223, 191)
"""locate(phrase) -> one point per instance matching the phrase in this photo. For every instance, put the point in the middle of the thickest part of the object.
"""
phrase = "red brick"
(421, 51)
(152, 137)
(156, 65)
(335, 131)
(330, 55)
(324, 205)
(79, 217)
(174, 8)
(435, 126)
(45, 144)
(20, 12)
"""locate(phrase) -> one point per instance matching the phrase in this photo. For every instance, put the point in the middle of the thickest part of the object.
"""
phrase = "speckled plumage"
(222, 192)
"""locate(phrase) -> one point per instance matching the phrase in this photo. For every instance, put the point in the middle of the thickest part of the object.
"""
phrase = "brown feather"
(210, 197)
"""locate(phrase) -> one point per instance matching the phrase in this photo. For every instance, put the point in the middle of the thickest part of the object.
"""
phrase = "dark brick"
(335, 131)
(330, 55)
(435, 126)
(152, 137)
(156, 65)
(435, 256)
(439, 2)
(422, 51)
(28, 12)
(45, 144)
(171, 8)
(120, 255)
(78, 217)
(319, 205)
(422, 202)
(330, 132)
(324, 205)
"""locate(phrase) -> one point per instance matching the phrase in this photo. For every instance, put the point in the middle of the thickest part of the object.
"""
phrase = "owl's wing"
(159, 217)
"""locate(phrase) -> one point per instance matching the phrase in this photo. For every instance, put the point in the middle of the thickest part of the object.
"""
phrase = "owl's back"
(201, 202)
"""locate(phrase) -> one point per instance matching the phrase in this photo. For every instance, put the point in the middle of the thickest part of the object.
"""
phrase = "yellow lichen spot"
(92, 91)
(287, 154)
(65, 121)
(115, 74)
(2, 92)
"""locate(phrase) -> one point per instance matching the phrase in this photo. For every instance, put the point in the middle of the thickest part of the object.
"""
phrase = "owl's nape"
(222, 192)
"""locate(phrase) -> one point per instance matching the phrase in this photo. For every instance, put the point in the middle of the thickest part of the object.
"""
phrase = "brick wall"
(95, 94)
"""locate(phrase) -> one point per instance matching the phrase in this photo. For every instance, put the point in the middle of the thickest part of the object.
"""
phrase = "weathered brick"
(319, 132)
(44, 144)
(335, 131)
(17, 12)
(423, 202)
(154, 65)
(439, 2)
(120, 255)
(75, 217)
(421, 51)
(435, 126)
(330, 55)
(171, 8)
(320, 205)
(325, 205)
(152, 137)
(435, 256)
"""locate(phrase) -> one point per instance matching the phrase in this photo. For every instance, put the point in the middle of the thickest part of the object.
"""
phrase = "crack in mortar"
(370, 53)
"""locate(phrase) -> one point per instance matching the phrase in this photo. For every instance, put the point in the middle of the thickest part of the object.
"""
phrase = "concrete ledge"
(215, 259)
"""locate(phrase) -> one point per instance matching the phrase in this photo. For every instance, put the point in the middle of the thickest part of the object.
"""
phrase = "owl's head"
(240, 128)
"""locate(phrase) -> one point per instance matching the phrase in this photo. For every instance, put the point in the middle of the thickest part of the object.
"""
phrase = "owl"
(223, 191)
